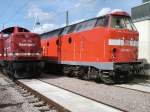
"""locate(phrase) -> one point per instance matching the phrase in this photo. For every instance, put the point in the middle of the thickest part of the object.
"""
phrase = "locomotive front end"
(22, 52)
(123, 45)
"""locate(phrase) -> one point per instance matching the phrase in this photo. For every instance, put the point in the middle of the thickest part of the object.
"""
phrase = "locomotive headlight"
(37, 54)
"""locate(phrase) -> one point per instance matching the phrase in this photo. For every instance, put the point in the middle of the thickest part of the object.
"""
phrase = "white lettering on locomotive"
(26, 44)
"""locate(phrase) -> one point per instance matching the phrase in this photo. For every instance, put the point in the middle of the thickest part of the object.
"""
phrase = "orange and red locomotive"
(20, 52)
(105, 47)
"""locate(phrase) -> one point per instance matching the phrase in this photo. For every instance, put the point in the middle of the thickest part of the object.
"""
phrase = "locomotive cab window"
(8, 31)
(122, 22)
(103, 21)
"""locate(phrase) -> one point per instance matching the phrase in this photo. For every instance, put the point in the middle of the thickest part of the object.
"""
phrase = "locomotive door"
(78, 48)
(59, 43)
(45, 49)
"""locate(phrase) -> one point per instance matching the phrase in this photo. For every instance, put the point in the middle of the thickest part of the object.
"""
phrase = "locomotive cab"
(123, 45)
(123, 39)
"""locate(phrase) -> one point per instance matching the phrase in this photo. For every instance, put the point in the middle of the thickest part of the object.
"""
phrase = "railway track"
(141, 87)
(38, 99)
(123, 98)
(63, 100)
(46, 95)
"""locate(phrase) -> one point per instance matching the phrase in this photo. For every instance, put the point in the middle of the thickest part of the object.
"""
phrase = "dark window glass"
(23, 30)
(122, 22)
(7, 32)
(65, 31)
(87, 25)
(103, 21)
(54, 33)
(72, 28)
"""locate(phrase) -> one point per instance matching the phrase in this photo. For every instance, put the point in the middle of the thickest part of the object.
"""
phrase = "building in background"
(141, 17)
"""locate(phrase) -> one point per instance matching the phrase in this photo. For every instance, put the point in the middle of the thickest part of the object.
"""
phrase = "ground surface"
(11, 100)
(126, 99)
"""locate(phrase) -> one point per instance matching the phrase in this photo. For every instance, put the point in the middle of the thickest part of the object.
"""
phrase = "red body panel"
(1, 49)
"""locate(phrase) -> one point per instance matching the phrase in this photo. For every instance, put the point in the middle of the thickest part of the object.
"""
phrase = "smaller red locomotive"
(20, 52)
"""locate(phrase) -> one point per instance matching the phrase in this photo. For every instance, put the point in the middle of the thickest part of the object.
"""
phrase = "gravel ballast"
(11, 100)
(126, 99)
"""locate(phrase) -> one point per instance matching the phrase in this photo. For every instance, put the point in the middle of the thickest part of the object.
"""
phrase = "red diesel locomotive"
(105, 48)
(20, 52)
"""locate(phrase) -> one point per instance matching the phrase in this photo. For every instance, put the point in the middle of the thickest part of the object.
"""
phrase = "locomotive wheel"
(106, 78)
(67, 71)
(16, 76)
(85, 77)
(123, 77)
(83, 74)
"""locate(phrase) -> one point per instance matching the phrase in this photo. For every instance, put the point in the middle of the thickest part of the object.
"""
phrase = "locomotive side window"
(23, 30)
(72, 28)
(51, 34)
(79, 27)
(87, 25)
(103, 21)
(65, 31)
(7, 32)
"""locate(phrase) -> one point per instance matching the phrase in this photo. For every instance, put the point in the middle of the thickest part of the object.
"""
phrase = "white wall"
(144, 40)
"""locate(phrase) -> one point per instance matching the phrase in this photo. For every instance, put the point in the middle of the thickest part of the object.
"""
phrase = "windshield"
(122, 22)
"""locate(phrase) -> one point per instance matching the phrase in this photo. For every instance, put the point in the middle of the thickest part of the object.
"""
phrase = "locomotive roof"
(11, 29)
(113, 13)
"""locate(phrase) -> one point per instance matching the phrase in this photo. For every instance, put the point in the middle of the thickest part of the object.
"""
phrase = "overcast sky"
(51, 13)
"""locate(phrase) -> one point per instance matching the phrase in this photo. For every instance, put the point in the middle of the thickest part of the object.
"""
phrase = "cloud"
(116, 10)
(49, 27)
(44, 28)
(105, 11)
(74, 22)
(34, 12)
(81, 3)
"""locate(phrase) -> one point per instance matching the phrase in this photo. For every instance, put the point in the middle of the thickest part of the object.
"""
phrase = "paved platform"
(69, 100)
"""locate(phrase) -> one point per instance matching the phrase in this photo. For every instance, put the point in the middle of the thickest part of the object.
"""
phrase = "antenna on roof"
(67, 18)
(36, 22)
(3, 26)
